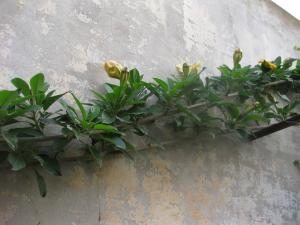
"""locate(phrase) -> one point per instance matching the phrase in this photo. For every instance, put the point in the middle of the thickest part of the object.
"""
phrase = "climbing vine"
(239, 100)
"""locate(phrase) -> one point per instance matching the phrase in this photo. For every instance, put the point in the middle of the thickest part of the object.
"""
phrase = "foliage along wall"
(240, 100)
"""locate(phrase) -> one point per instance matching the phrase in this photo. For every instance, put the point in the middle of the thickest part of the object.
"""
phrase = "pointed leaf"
(21, 85)
(96, 155)
(6, 97)
(50, 164)
(106, 128)
(16, 160)
(118, 142)
(37, 83)
(48, 101)
(80, 106)
(162, 84)
(41, 183)
(106, 118)
(10, 138)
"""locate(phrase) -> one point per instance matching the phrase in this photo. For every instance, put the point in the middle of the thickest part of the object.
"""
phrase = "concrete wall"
(203, 181)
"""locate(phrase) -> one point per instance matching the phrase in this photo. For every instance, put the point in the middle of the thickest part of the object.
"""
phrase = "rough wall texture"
(206, 182)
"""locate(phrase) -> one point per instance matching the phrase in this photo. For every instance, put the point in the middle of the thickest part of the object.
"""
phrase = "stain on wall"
(204, 181)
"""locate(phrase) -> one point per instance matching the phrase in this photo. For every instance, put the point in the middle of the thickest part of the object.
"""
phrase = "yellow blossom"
(113, 69)
(267, 65)
(179, 68)
(193, 68)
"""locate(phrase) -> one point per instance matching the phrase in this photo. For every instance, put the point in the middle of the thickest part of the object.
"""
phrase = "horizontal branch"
(145, 120)
(271, 84)
(275, 127)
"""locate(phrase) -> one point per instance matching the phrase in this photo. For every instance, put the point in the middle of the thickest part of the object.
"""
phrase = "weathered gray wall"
(222, 181)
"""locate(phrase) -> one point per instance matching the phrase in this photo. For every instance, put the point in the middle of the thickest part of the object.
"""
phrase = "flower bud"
(179, 69)
(113, 69)
(185, 69)
(267, 66)
(195, 68)
(237, 57)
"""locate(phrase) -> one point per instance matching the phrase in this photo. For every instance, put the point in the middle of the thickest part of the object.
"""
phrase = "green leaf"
(116, 141)
(283, 97)
(10, 138)
(21, 85)
(48, 101)
(127, 154)
(233, 110)
(106, 118)
(189, 113)
(253, 117)
(50, 93)
(37, 83)
(106, 128)
(140, 130)
(125, 119)
(134, 76)
(108, 87)
(16, 160)
(96, 155)
(243, 133)
(162, 84)
(6, 97)
(50, 164)
(277, 61)
(80, 106)
(154, 90)
(41, 184)
(67, 132)
(38, 86)
(225, 70)
(71, 112)
(93, 112)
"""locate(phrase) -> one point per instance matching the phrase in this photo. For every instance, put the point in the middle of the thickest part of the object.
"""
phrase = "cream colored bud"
(113, 69)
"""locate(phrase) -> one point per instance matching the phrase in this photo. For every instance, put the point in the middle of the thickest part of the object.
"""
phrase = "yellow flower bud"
(195, 68)
(185, 69)
(266, 65)
(113, 69)
(237, 57)
(179, 68)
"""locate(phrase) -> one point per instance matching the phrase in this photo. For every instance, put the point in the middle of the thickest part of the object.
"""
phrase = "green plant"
(26, 108)
(38, 98)
(87, 127)
(240, 99)
(124, 103)
(10, 107)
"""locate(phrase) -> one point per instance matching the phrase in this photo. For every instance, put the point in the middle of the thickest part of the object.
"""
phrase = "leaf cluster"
(237, 100)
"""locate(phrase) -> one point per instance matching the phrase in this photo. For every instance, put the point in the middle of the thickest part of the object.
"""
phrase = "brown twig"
(264, 131)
